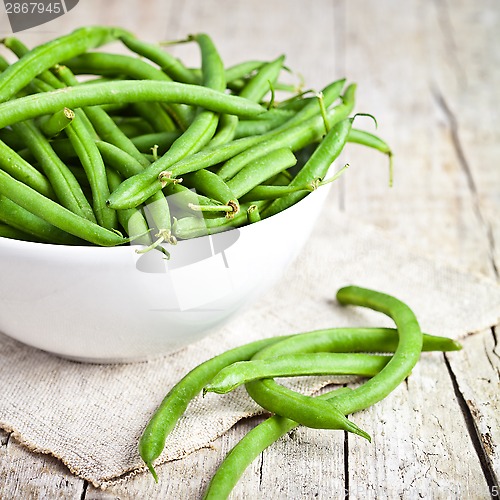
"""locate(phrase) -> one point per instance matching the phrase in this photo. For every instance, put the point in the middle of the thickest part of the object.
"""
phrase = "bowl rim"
(14, 243)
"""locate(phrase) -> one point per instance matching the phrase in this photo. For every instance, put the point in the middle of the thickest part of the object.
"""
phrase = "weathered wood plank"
(477, 373)
(400, 70)
(415, 451)
(28, 475)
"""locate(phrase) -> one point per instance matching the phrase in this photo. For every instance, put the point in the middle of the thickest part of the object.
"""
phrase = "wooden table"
(430, 73)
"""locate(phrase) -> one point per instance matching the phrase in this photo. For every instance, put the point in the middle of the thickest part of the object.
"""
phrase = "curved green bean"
(168, 63)
(312, 413)
(176, 401)
(332, 341)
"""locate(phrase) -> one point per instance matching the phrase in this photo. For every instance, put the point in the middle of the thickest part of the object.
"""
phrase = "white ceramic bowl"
(114, 305)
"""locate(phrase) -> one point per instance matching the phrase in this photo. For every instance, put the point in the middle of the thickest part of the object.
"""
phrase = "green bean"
(12, 164)
(56, 214)
(132, 220)
(92, 162)
(56, 123)
(328, 342)
(127, 166)
(22, 219)
(313, 413)
(176, 401)
(124, 91)
(256, 88)
(253, 214)
(134, 191)
(210, 156)
(294, 365)
(316, 167)
(12, 233)
(292, 134)
(264, 192)
(372, 141)
(155, 115)
(274, 118)
(305, 410)
(144, 143)
(192, 227)
(405, 356)
(169, 64)
(107, 64)
(212, 186)
(20, 50)
(19, 74)
(248, 449)
(64, 183)
(354, 340)
(260, 170)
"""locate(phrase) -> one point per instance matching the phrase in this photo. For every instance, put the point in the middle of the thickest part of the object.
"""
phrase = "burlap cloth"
(91, 416)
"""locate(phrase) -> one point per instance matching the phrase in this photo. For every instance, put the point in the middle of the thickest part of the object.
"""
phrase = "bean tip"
(152, 470)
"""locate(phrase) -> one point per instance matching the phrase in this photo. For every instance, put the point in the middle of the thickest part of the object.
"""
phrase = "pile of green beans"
(335, 351)
(102, 148)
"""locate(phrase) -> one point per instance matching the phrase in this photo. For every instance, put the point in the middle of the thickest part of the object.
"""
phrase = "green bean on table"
(176, 401)
(306, 410)
(263, 435)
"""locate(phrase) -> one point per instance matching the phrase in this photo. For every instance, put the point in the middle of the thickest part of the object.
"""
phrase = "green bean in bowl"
(189, 174)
